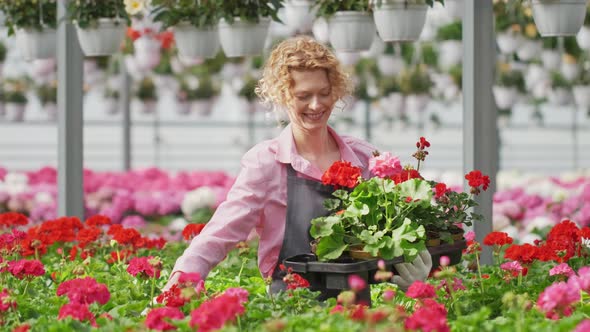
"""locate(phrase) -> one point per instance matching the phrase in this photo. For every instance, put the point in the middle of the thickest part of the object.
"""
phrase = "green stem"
(479, 272)
(239, 324)
(452, 295)
(153, 288)
(241, 269)
(26, 286)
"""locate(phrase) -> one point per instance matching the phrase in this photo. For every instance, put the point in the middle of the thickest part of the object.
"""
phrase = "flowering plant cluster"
(29, 14)
(86, 13)
(390, 214)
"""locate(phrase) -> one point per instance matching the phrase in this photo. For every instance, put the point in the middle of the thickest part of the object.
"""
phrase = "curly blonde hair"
(299, 53)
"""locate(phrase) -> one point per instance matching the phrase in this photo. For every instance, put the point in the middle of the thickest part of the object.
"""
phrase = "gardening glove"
(410, 272)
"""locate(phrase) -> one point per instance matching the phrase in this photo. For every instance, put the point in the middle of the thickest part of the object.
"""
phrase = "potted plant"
(15, 99)
(391, 61)
(350, 24)
(147, 95)
(415, 84)
(197, 94)
(299, 15)
(101, 25)
(560, 89)
(2, 55)
(243, 27)
(388, 215)
(247, 93)
(581, 89)
(194, 24)
(450, 44)
(400, 20)
(509, 83)
(111, 100)
(392, 97)
(559, 17)
(47, 94)
(583, 36)
(34, 24)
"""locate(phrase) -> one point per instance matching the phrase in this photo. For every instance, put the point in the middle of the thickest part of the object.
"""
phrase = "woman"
(278, 190)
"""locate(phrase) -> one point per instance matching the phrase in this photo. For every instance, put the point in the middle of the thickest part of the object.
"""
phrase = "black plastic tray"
(334, 274)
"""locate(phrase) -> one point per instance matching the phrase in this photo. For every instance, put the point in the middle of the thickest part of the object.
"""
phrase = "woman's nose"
(314, 103)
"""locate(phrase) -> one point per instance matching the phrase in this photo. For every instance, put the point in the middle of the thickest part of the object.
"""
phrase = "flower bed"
(67, 275)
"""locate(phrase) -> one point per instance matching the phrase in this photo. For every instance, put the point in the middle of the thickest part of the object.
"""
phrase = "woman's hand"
(410, 272)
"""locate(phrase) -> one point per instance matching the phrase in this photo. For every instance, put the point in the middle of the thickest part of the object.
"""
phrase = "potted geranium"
(15, 99)
(509, 83)
(560, 89)
(196, 95)
(243, 26)
(299, 15)
(415, 84)
(247, 93)
(101, 25)
(147, 95)
(194, 24)
(34, 25)
(47, 94)
(389, 214)
(400, 20)
(450, 44)
(350, 24)
(111, 100)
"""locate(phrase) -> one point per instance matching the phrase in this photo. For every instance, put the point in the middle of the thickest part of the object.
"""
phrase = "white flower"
(15, 183)
(43, 197)
(197, 199)
(134, 7)
(178, 224)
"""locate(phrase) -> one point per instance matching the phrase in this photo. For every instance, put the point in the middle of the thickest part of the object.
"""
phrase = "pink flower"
(157, 318)
(388, 295)
(84, 291)
(469, 236)
(445, 261)
(385, 165)
(5, 301)
(557, 299)
(77, 311)
(421, 290)
(240, 293)
(582, 280)
(337, 309)
(512, 266)
(356, 283)
(429, 318)
(26, 268)
(192, 278)
(144, 266)
(562, 269)
(457, 285)
(584, 326)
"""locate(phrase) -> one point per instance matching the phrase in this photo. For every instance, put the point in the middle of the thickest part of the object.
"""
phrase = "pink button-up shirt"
(258, 199)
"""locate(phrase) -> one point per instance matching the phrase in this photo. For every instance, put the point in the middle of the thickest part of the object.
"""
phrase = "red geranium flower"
(497, 238)
(476, 179)
(12, 219)
(192, 230)
(342, 174)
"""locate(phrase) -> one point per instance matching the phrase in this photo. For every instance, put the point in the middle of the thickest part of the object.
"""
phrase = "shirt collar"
(287, 152)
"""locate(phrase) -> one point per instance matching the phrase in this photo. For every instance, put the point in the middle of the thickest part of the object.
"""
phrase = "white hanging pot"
(509, 42)
(193, 42)
(320, 30)
(505, 97)
(15, 112)
(535, 73)
(34, 44)
(551, 59)
(558, 96)
(51, 110)
(147, 106)
(399, 20)
(104, 39)
(390, 64)
(299, 15)
(570, 71)
(165, 82)
(111, 106)
(147, 52)
(559, 17)
(583, 38)
(348, 58)
(202, 107)
(243, 38)
(582, 95)
(528, 50)
(351, 31)
(417, 103)
(183, 107)
(455, 8)
(450, 53)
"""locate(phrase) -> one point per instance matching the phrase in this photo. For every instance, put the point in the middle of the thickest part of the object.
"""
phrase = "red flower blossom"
(78, 312)
(421, 290)
(476, 179)
(422, 143)
(146, 266)
(133, 34)
(406, 175)
(497, 239)
(157, 318)
(192, 230)
(430, 317)
(525, 253)
(98, 220)
(173, 297)
(22, 328)
(84, 291)
(6, 302)
(13, 219)
(26, 268)
(124, 236)
(358, 313)
(88, 235)
(342, 174)
(440, 190)
(214, 313)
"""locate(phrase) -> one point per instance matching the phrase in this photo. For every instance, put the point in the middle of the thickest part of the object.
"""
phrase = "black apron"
(305, 201)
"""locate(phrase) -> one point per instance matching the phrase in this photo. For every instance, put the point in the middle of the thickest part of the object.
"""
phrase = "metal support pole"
(575, 142)
(125, 106)
(368, 134)
(480, 147)
(157, 138)
(70, 120)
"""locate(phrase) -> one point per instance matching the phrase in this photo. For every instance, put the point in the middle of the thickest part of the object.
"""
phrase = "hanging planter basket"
(193, 42)
(243, 38)
(299, 15)
(400, 20)
(34, 44)
(15, 112)
(558, 17)
(351, 31)
(582, 96)
(104, 39)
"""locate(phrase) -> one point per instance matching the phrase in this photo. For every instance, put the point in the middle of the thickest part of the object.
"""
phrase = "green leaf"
(416, 189)
(323, 226)
(331, 247)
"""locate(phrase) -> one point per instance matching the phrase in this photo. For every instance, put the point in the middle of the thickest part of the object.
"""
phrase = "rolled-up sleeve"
(233, 220)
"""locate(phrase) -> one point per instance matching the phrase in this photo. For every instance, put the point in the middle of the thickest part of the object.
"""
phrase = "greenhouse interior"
(295, 165)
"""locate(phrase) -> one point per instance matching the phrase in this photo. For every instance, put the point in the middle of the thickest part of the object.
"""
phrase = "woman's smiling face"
(312, 99)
